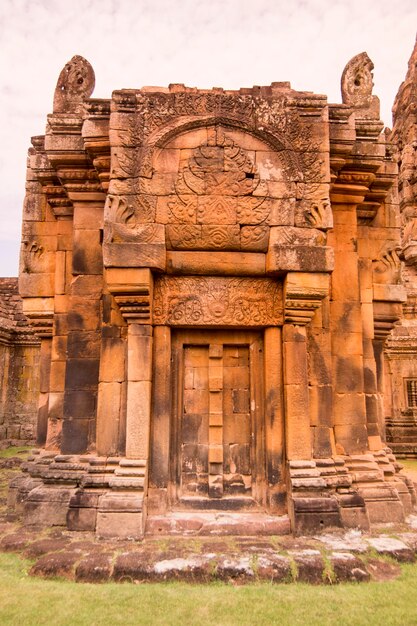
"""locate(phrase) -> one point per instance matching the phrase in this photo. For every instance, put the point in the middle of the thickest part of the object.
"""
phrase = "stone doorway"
(217, 446)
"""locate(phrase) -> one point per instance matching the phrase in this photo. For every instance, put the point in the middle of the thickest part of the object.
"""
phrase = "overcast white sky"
(203, 43)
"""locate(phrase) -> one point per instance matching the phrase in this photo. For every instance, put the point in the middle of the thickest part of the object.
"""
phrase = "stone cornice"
(303, 295)
(133, 291)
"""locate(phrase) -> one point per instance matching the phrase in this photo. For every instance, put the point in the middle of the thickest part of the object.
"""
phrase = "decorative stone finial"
(357, 81)
(412, 66)
(75, 84)
(407, 92)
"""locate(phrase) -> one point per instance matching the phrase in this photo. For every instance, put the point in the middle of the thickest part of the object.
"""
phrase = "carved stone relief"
(75, 84)
(387, 269)
(212, 193)
(130, 219)
(357, 81)
(314, 209)
(217, 301)
(32, 253)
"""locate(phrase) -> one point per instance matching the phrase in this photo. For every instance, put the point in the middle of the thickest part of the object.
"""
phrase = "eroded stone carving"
(31, 256)
(315, 209)
(75, 83)
(217, 301)
(409, 241)
(357, 81)
(130, 219)
(387, 268)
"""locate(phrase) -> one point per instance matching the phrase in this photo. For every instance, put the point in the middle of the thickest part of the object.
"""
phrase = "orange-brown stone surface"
(213, 275)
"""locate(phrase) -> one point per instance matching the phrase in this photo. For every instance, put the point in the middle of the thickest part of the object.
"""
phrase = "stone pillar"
(346, 325)
(44, 376)
(298, 438)
(111, 401)
(369, 364)
(387, 310)
(320, 382)
(139, 383)
(303, 293)
(39, 311)
(132, 291)
(161, 416)
(274, 418)
(122, 510)
(84, 329)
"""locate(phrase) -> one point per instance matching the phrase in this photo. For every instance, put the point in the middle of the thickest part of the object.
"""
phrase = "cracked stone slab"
(235, 568)
(392, 547)
(351, 541)
(310, 566)
(193, 566)
(412, 521)
(348, 568)
(410, 539)
(274, 567)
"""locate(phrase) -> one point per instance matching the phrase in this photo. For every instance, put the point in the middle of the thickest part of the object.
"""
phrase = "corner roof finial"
(357, 81)
(75, 84)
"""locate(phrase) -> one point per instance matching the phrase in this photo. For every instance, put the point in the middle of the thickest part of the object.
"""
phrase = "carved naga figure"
(75, 83)
(357, 81)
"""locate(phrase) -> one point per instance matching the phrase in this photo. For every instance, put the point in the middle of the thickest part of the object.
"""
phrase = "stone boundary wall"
(19, 369)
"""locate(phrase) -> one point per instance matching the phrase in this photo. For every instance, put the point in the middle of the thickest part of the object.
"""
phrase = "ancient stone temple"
(212, 275)
(401, 349)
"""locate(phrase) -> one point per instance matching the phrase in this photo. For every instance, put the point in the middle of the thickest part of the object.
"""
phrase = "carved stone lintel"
(216, 301)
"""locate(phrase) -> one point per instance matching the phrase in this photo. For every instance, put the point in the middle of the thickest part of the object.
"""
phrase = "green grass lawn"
(32, 601)
(27, 601)
(409, 464)
(20, 451)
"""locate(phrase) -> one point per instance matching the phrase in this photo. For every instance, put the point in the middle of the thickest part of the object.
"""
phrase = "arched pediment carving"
(212, 188)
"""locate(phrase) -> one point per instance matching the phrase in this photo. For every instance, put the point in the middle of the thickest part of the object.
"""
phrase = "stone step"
(217, 524)
(227, 503)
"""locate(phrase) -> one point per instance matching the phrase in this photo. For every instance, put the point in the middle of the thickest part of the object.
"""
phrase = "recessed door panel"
(218, 434)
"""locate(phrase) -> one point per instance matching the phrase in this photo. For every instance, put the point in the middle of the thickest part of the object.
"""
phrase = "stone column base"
(121, 515)
(351, 492)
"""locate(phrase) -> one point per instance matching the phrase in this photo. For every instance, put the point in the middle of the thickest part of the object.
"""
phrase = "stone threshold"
(330, 558)
(216, 523)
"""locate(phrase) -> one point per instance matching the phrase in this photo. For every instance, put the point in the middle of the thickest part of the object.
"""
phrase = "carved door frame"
(254, 340)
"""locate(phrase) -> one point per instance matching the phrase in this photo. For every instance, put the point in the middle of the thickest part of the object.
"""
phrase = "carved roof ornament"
(407, 92)
(357, 81)
(411, 76)
(75, 84)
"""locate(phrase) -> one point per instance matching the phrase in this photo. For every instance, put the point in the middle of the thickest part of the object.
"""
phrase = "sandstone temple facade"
(401, 346)
(213, 276)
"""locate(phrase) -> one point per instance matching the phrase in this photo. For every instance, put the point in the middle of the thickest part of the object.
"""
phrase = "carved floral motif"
(217, 301)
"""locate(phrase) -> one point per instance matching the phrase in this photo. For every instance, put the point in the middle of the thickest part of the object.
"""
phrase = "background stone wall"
(19, 369)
